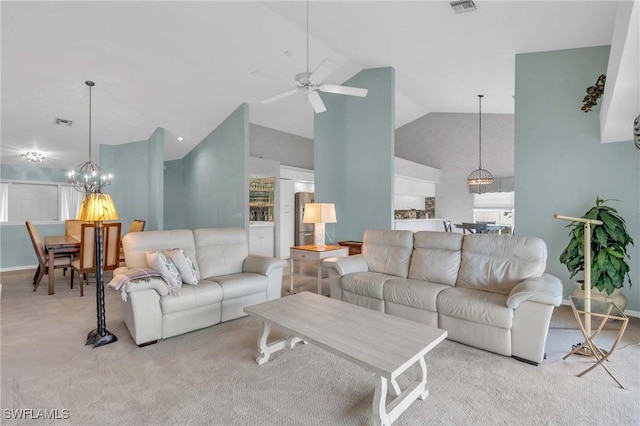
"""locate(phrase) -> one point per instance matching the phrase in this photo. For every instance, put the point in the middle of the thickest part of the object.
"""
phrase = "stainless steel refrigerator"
(303, 231)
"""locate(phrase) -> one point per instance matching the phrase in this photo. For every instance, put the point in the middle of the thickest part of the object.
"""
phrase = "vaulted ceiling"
(185, 66)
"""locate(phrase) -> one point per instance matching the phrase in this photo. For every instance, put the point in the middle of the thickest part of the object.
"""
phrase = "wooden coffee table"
(380, 343)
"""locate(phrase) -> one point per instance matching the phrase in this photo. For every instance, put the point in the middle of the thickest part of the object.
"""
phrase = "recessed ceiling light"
(33, 157)
(180, 138)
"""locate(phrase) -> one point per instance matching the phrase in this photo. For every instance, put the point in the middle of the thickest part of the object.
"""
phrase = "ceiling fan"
(312, 82)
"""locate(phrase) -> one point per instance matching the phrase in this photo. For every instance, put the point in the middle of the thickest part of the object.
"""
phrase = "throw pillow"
(161, 263)
(187, 267)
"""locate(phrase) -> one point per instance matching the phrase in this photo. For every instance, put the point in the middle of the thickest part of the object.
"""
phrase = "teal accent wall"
(16, 246)
(37, 173)
(155, 217)
(354, 155)
(215, 182)
(16, 249)
(560, 164)
(137, 186)
(174, 204)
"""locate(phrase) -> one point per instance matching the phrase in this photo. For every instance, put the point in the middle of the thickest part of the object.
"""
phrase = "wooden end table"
(313, 253)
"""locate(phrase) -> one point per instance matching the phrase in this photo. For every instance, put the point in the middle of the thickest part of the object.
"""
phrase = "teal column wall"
(16, 250)
(215, 182)
(155, 216)
(137, 185)
(354, 155)
(174, 204)
(560, 164)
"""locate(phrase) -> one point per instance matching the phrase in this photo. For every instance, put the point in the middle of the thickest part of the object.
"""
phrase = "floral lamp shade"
(97, 207)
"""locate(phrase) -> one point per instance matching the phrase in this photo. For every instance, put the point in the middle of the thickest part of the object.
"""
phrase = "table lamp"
(98, 207)
(319, 214)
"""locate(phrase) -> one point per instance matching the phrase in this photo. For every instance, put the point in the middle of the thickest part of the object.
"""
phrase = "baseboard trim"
(18, 268)
(627, 312)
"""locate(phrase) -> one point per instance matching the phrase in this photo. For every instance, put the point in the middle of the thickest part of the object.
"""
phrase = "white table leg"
(386, 414)
(381, 417)
(265, 351)
(320, 277)
(291, 275)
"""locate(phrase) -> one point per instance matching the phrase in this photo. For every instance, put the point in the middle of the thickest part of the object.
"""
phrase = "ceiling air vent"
(463, 6)
(63, 121)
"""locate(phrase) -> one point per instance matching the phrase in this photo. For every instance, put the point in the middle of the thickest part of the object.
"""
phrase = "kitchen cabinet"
(416, 225)
(261, 239)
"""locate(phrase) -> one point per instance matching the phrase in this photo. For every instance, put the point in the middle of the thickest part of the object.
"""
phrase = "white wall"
(449, 142)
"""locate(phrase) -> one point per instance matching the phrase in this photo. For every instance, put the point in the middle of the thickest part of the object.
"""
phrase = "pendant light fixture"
(480, 179)
(88, 177)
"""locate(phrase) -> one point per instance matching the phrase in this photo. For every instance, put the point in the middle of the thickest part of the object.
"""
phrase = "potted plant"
(609, 241)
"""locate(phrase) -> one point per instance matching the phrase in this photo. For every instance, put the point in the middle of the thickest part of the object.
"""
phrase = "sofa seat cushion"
(368, 284)
(242, 284)
(414, 293)
(207, 292)
(477, 306)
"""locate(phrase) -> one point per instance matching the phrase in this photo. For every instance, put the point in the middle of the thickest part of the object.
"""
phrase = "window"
(37, 201)
(494, 207)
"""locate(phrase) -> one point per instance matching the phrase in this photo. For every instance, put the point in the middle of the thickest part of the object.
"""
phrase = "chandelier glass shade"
(88, 177)
(480, 179)
(33, 157)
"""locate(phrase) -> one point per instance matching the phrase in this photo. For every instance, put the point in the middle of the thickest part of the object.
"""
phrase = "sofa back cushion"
(436, 257)
(388, 252)
(220, 251)
(137, 244)
(497, 263)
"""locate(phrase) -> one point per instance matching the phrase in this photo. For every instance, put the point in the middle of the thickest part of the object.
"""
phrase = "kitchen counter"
(261, 224)
(416, 225)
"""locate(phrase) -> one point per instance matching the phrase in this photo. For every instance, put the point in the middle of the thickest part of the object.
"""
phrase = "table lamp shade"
(97, 207)
(319, 213)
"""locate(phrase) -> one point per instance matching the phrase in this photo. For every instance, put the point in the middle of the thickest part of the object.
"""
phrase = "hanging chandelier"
(480, 179)
(33, 157)
(88, 177)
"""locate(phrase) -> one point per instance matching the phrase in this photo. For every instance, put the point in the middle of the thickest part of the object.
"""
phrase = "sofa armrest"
(346, 265)
(262, 264)
(546, 289)
(152, 284)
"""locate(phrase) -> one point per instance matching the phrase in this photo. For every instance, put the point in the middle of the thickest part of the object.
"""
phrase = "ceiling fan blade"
(324, 69)
(316, 101)
(344, 90)
(280, 95)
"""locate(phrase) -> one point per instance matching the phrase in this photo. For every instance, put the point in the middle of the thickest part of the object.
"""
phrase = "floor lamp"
(586, 244)
(98, 207)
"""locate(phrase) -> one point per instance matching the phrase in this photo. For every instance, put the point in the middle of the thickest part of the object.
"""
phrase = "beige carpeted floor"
(209, 376)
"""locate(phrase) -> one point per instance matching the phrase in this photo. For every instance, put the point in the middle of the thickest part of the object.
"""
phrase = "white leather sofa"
(230, 279)
(488, 291)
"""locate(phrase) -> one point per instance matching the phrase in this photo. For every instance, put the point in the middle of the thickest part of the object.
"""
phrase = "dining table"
(489, 227)
(57, 244)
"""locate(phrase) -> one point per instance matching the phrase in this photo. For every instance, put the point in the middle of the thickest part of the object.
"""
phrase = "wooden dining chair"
(43, 258)
(86, 263)
(474, 228)
(137, 225)
(73, 227)
(447, 225)
(112, 245)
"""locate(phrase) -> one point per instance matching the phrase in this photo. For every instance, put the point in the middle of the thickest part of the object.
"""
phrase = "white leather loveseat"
(230, 279)
(487, 291)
